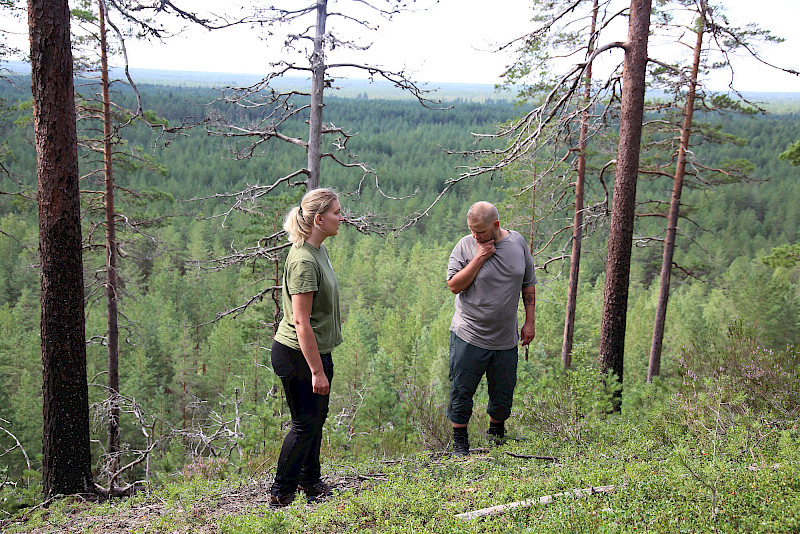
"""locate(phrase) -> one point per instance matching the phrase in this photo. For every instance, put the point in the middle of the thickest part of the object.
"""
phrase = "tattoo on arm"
(528, 299)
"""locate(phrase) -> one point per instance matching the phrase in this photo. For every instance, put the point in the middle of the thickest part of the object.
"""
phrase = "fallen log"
(546, 499)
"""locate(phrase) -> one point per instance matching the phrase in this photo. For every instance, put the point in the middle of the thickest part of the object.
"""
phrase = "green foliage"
(428, 416)
(736, 169)
(391, 383)
(734, 375)
(565, 403)
(761, 298)
(153, 118)
(83, 15)
(787, 256)
(723, 102)
(259, 522)
(792, 154)
(16, 497)
(668, 480)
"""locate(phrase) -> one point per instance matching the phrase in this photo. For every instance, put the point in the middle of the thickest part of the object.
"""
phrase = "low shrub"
(732, 381)
(565, 402)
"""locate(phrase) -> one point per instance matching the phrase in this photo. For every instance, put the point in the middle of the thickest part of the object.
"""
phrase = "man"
(488, 270)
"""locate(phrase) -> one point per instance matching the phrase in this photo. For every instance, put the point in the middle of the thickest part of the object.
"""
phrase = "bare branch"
(17, 445)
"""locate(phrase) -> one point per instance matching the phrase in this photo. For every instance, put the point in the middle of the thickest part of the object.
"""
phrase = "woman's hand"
(320, 383)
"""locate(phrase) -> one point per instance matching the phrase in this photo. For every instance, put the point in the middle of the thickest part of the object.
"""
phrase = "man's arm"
(464, 278)
(528, 331)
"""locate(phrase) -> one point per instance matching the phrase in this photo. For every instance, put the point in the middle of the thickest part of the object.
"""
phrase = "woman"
(301, 352)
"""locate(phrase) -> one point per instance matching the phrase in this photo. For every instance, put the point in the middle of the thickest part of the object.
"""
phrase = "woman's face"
(329, 221)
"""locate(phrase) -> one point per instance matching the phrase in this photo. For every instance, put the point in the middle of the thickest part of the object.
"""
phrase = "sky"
(454, 41)
(450, 42)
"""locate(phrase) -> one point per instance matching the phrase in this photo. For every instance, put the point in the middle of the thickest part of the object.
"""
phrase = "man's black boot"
(460, 442)
(497, 432)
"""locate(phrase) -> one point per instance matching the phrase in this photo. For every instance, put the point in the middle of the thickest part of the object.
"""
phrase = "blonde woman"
(301, 352)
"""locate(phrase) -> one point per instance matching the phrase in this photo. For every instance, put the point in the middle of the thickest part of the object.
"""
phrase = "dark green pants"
(468, 364)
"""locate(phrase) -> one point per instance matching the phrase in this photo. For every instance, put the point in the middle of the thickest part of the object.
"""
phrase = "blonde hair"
(300, 220)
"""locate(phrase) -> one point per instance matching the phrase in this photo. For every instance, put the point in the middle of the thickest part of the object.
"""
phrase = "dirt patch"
(199, 517)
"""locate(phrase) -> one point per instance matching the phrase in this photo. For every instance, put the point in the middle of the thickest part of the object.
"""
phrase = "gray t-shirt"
(486, 311)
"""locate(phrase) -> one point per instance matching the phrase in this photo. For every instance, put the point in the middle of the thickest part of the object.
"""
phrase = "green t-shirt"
(307, 270)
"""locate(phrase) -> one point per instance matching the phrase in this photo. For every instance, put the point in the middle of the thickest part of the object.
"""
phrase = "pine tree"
(66, 458)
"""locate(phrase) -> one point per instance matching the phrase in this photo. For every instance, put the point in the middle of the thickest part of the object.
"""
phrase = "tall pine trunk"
(66, 456)
(111, 258)
(654, 367)
(620, 239)
(577, 222)
(317, 89)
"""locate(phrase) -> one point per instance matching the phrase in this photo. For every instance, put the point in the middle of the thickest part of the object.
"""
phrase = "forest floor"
(658, 487)
(203, 516)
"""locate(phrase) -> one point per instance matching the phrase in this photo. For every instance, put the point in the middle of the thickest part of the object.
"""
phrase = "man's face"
(483, 231)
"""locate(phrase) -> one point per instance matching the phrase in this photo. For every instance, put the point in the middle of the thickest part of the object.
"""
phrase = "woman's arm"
(301, 308)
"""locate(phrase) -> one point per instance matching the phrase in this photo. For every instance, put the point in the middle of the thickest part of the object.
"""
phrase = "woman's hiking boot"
(460, 442)
(279, 501)
(318, 489)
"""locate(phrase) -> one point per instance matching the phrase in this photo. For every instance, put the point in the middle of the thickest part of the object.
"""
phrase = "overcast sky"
(450, 42)
(454, 41)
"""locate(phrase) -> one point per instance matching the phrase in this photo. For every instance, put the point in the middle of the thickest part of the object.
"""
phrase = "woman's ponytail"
(296, 227)
(300, 220)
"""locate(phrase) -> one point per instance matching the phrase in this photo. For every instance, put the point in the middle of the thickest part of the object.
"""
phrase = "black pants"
(298, 462)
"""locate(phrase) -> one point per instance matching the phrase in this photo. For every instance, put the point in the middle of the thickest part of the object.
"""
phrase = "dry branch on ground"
(546, 499)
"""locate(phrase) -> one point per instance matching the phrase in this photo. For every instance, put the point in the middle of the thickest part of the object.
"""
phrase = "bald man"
(488, 270)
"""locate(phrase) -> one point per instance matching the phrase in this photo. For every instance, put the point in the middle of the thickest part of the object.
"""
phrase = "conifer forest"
(181, 393)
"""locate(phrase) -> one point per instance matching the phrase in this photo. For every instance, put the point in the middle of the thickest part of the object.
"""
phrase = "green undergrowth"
(717, 450)
(660, 487)
(655, 492)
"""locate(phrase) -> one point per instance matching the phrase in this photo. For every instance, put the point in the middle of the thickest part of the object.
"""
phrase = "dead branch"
(398, 79)
(215, 434)
(532, 457)
(374, 476)
(245, 200)
(348, 414)
(17, 445)
(140, 13)
(546, 499)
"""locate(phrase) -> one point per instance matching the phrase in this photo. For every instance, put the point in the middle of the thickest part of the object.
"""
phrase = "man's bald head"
(482, 213)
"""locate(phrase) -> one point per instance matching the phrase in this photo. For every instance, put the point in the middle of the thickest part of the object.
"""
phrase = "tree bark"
(620, 239)
(112, 310)
(654, 367)
(577, 222)
(66, 457)
(317, 89)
